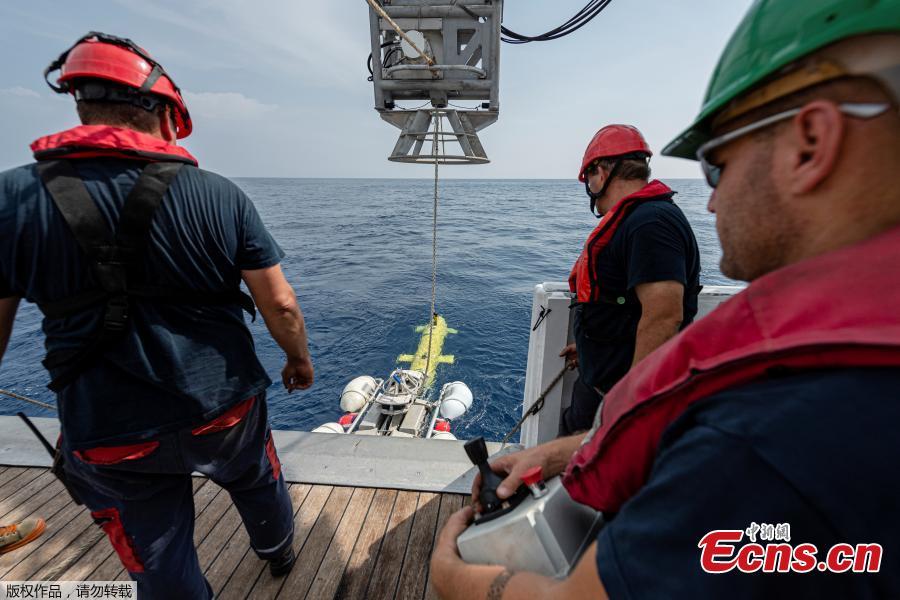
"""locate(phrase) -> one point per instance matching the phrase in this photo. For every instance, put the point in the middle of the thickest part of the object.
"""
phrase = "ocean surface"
(359, 257)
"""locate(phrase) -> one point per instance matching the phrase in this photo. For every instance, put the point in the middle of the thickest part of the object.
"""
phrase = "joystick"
(477, 451)
(492, 506)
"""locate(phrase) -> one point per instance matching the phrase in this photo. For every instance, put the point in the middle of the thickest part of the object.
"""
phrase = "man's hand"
(570, 354)
(297, 374)
(552, 457)
(445, 557)
(452, 578)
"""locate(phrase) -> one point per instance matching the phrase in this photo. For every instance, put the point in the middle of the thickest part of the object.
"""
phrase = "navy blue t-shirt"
(177, 364)
(818, 451)
(654, 243)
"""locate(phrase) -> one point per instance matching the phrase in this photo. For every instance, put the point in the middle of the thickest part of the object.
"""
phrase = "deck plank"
(368, 546)
(251, 572)
(414, 572)
(203, 495)
(59, 551)
(48, 496)
(351, 542)
(53, 513)
(224, 529)
(37, 491)
(8, 475)
(390, 558)
(238, 546)
(331, 571)
(297, 582)
(450, 503)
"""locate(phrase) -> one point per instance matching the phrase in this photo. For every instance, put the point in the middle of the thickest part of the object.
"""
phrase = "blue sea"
(359, 257)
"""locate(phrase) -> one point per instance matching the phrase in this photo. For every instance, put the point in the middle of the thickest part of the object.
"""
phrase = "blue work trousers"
(142, 497)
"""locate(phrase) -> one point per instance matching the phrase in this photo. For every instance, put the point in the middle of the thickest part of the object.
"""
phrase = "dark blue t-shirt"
(177, 364)
(654, 243)
(818, 451)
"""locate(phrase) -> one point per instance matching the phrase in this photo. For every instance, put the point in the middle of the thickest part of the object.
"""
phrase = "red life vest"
(584, 279)
(799, 317)
(90, 141)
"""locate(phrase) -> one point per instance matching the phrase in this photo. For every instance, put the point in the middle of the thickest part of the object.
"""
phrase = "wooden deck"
(350, 542)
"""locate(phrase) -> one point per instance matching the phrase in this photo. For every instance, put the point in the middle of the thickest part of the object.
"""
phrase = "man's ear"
(167, 127)
(814, 138)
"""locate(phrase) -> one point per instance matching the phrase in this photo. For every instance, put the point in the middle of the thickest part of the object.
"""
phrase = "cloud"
(232, 106)
(324, 43)
(19, 92)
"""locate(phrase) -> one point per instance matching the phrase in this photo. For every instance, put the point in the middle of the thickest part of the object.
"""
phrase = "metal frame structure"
(462, 42)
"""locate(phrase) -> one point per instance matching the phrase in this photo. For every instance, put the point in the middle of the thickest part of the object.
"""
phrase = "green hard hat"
(773, 34)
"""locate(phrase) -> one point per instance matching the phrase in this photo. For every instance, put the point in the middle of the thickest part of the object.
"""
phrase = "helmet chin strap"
(595, 196)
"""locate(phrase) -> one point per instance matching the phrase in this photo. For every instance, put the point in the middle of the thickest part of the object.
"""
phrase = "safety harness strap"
(115, 260)
(76, 205)
(133, 231)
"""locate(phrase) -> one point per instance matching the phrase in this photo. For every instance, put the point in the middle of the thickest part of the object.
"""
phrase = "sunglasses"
(592, 169)
(713, 172)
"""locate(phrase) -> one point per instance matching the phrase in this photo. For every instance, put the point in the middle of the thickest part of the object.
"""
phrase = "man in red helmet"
(135, 257)
(638, 275)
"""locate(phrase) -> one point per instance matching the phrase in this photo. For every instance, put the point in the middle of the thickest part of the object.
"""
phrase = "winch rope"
(27, 399)
(378, 9)
(538, 404)
(431, 316)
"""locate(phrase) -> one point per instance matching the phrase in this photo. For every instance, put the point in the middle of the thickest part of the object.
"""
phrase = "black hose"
(581, 18)
(369, 61)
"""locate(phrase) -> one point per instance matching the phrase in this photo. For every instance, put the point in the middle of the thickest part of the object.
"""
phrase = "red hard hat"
(110, 58)
(613, 141)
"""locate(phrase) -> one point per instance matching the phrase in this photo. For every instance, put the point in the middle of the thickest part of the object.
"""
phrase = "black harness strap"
(76, 205)
(115, 260)
(151, 80)
(133, 231)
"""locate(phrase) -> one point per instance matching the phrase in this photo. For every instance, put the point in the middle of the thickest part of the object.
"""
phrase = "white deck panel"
(316, 458)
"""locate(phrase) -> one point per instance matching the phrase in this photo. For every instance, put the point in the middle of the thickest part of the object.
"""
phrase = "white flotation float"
(398, 406)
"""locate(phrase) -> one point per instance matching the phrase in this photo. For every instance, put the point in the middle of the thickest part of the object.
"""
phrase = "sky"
(278, 88)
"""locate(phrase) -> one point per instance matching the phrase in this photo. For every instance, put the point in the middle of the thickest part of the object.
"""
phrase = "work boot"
(283, 564)
(18, 534)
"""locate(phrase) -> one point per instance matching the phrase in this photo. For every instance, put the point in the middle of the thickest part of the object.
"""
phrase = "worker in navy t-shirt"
(638, 275)
(135, 257)
(755, 455)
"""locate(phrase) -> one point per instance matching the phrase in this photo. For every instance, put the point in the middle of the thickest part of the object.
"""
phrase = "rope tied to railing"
(27, 399)
(538, 404)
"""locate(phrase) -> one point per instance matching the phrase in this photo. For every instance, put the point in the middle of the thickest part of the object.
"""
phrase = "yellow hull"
(432, 344)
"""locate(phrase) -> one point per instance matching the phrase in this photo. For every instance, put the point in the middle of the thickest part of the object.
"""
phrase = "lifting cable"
(432, 316)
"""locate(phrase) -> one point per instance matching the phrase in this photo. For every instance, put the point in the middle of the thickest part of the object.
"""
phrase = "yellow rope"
(399, 31)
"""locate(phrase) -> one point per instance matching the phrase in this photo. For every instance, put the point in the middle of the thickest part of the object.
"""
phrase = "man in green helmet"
(754, 455)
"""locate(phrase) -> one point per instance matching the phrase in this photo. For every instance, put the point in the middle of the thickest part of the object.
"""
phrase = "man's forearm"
(475, 582)
(652, 333)
(565, 447)
(288, 329)
(465, 582)
(8, 308)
